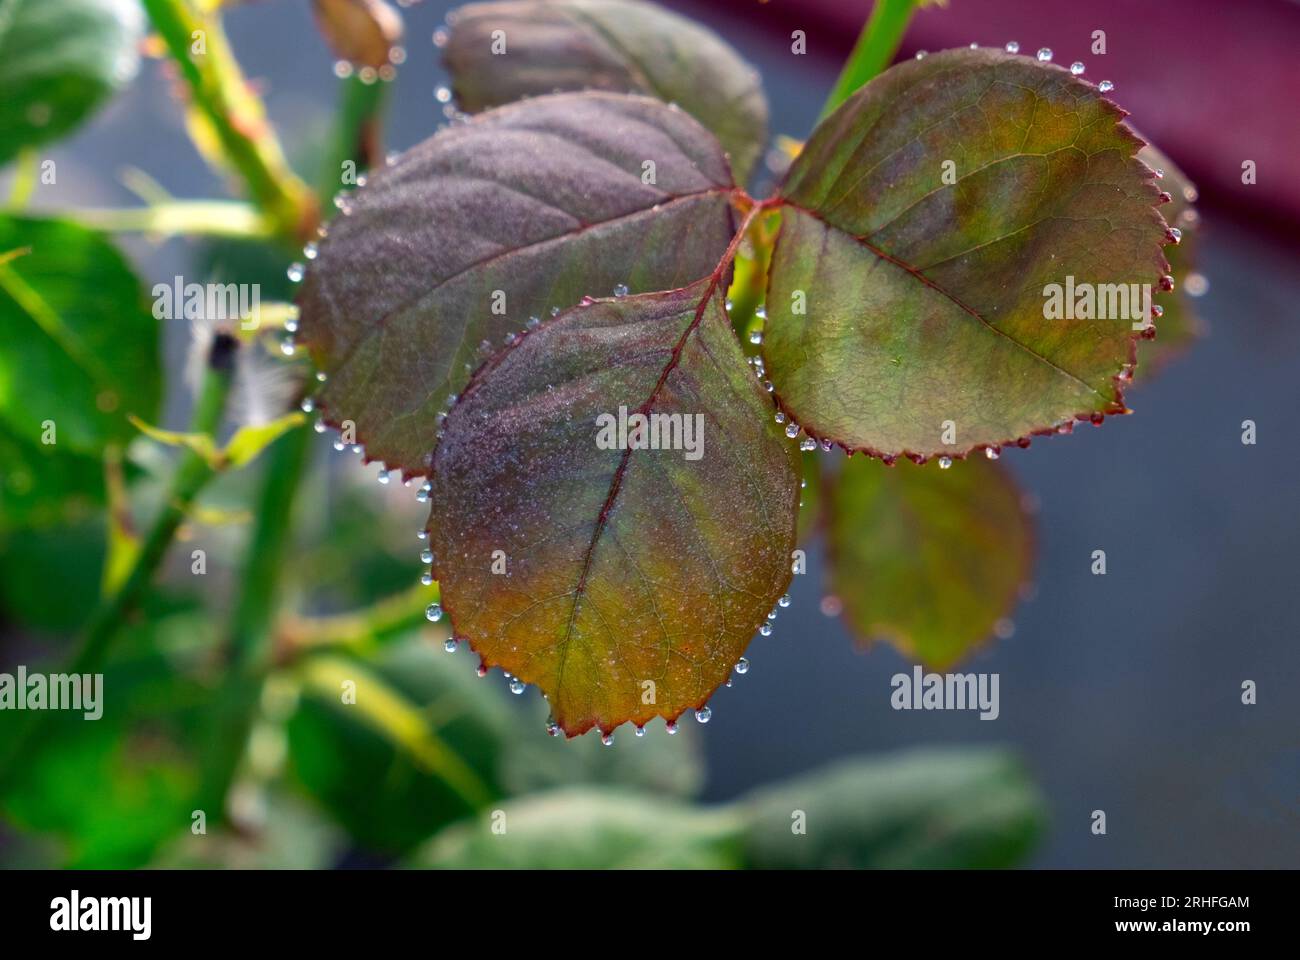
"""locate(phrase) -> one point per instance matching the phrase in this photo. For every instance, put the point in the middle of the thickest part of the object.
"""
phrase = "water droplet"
(1004, 629)
(286, 346)
(992, 452)
(784, 601)
(531, 323)
(426, 555)
(1077, 68)
(422, 495)
(760, 311)
(321, 376)
(779, 417)
(807, 443)
(296, 272)
(319, 426)
(451, 645)
(640, 731)
(517, 686)
(338, 445)
(671, 727)
(1157, 311)
(831, 605)
(620, 290)
(382, 476)
(945, 463)
(742, 666)
(426, 578)
(1012, 47)
(920, 54)
(792, 430)
(1196, 284)
(1044, 55)
(310, 251)
(1166, 283)
(433, 612)
(756, 337)
(607, 739)
(1175, 235)
(482, 671)
(442, 95)
(307, 405)
(1105, 86)
(772, 614)
(342, 69)
(765, 629)
(552, 728)
(974, 46)
(1160, 174)
(440, 37)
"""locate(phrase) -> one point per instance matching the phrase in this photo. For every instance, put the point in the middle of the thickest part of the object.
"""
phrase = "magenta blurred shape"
(1212, 82)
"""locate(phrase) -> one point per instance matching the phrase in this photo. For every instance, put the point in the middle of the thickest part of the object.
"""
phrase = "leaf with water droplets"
(1178, 325)
(922, 225)
(59, 60)
(634, 578)
(608, 45)
(925, 558)
(488, 224)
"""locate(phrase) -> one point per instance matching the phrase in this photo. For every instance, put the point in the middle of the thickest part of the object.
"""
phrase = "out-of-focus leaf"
(614, 45)
(112, 790)
(41, 569)
(242, 448)
(59, 59)
(923, 222)
(419, 748)
(935, 808)
(42, 484)
(525, 208)
(624, 567)
(78, 345)
(362, 32)
(925, 558)
(591, 829)
(657, 762)
(290, 835)
(1178, 327)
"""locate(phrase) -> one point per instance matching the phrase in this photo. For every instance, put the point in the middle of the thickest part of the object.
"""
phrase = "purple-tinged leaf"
(925, 223)
(501, 52)
(522, 211)
(624, 582)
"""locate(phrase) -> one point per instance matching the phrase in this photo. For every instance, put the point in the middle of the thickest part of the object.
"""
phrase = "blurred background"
(1120, 693)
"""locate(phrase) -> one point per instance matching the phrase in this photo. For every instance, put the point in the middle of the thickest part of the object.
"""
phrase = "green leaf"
(623, 565)
(59, 60)
(589, 829)
(524, 209)
(78, 345)
(422, 737)
(41, 485)
(670, 765)
(111, 790)
(928, 809)
(925, 299)
(41, 568)
(925, 558)
(614, 45)
(1179, 326)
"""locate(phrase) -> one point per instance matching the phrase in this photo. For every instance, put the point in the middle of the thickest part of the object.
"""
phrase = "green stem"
(248, 648)
(361, 631)
(192, 474)
(214, 218)
(356, 135)
(874, 50)
(235, 115)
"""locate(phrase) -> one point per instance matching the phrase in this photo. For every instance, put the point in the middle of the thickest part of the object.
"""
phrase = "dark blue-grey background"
(1122, 691)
